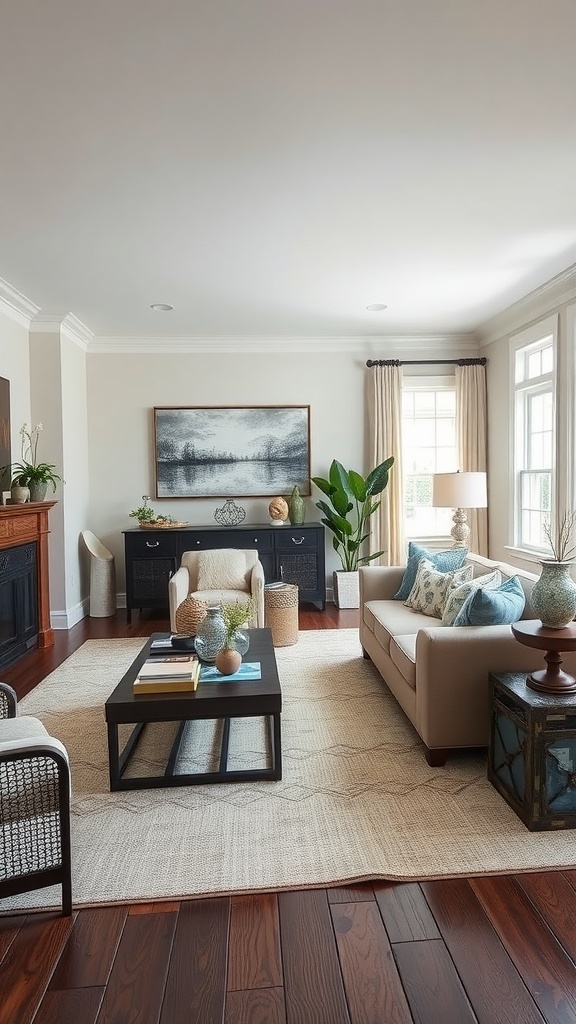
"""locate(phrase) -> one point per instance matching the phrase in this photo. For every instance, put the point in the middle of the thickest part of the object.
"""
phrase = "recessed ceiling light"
(161, 307)
(376, 307)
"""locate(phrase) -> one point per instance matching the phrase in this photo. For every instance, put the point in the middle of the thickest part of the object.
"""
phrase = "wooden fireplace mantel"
(24, 524)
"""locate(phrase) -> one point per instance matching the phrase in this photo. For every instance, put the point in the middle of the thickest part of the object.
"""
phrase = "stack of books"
(168, 674)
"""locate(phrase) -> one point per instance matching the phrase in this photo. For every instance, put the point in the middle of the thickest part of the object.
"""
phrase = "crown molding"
(369, 346)
(66, 323)
(16, 306)
(540, 302)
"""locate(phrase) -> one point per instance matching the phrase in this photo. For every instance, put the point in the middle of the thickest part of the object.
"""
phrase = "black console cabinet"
(293, 554)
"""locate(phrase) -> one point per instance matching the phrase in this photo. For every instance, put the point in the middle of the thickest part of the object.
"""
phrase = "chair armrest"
(379, 582)
(178, 590)
(257, 592)
(8, 701)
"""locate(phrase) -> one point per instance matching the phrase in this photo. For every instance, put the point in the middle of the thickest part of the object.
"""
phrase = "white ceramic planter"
(346, 589)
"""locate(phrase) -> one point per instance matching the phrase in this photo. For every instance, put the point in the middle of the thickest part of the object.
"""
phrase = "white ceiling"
(271, 167)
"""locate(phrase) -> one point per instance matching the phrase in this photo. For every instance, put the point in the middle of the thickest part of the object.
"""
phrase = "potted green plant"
(346, 513)
(29, 473)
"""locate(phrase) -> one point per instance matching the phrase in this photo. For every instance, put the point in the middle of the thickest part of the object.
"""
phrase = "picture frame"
(231, 451)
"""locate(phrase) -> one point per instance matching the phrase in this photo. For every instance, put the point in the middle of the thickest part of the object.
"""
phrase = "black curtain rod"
(427, 362)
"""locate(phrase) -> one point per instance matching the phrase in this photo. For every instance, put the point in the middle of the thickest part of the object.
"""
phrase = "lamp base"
(460, 532)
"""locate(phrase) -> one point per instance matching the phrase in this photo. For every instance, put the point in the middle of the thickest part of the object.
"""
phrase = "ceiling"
(271, 167)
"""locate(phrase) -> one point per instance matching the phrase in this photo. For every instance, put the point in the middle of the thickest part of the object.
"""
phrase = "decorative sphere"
(278, 509)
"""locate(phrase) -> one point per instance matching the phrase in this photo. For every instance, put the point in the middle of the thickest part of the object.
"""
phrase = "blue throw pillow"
(497, 607)
(443, 561)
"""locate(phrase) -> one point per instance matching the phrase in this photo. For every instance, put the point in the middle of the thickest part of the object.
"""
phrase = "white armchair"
(34, 805)
(221, 575)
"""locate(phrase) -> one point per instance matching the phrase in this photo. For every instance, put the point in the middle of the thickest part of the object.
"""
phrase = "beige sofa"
(439, 674)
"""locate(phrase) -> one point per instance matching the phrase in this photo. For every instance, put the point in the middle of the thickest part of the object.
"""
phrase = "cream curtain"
(471, 431)
(384, 402)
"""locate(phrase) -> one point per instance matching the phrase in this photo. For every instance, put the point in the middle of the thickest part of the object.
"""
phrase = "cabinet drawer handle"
(152, 543)
(255, 540)
(294, 541)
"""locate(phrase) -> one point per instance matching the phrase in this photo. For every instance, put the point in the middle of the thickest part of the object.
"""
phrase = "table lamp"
(459, 491)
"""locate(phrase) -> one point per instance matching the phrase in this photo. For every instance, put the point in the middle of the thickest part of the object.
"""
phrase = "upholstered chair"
(34, 805)
(216, 576)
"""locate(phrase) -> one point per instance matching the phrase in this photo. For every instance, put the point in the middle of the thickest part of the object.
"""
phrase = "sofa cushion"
(387, 619)
(459, 595)
(443, 561)
(403, 654)
(429, 593)
(494, 607)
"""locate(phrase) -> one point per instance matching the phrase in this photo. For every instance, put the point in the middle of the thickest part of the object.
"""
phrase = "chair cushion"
(458, 595)
(23, 727)
(497, 607)
(222, 569)
(443, 561)
(429, 593)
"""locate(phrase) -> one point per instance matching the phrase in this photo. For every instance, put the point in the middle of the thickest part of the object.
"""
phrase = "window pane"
(429, 446)
(547, 359)
(534, 365)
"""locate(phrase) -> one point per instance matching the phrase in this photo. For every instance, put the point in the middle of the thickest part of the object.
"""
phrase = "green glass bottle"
(296, 508)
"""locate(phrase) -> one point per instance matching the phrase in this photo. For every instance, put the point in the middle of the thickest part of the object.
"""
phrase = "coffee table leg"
(276, 744)
(113, 755)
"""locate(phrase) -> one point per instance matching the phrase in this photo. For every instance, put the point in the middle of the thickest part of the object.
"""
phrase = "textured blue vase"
(210, 635)
(553, 596)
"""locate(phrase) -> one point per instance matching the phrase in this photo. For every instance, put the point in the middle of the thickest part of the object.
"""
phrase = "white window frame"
(446, 382)
(533, 338)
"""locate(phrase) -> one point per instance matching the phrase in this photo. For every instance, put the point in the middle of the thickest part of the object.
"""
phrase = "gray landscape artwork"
(232, 451)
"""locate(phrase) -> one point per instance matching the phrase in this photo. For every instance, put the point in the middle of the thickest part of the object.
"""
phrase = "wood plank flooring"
(492, 950)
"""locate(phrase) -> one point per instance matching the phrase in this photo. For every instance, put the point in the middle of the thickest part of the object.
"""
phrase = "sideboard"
(293, 554)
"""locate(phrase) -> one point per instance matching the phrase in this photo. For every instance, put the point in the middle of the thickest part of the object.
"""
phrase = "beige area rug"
(357, 799)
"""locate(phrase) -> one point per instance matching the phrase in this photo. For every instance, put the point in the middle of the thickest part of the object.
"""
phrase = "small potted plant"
(351, 503)
(29, 474)
(237, 640)
(149, 519)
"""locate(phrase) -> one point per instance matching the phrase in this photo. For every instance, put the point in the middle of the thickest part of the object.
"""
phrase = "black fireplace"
(18, 602)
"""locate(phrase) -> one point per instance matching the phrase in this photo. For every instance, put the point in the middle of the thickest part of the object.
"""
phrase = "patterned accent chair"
(34, 805)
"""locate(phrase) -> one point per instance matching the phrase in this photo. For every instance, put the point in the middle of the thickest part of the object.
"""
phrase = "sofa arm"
(178, 590)
(452, 689)
(379, 582)
(257, 594)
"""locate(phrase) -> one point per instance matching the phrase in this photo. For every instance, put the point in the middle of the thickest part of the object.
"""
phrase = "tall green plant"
(351, 505)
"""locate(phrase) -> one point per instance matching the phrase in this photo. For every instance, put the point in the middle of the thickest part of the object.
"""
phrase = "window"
(534, 437)
(428, 447)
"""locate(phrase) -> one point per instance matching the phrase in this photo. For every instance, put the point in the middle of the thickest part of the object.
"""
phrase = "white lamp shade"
(459, 490)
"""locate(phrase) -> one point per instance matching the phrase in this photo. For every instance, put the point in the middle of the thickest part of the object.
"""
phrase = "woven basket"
(281, 614)
(189, 615)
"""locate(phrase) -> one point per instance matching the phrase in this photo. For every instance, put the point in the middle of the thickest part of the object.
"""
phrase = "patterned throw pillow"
(443, 561)
(493, 607)
(459, 595)
(428, 595)
(222, 569)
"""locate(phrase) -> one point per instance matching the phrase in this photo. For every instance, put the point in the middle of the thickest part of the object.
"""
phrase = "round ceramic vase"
(553, 596)
(38, 490)
(210, 635)
(19, 494)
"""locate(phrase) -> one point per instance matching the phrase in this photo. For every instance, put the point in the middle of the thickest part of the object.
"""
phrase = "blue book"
(247, 670)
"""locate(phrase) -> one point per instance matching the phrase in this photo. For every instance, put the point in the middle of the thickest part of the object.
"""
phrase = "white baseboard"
(67, 619)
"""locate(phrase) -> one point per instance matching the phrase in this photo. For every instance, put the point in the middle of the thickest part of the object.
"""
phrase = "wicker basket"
(281, 614)
(189, 615)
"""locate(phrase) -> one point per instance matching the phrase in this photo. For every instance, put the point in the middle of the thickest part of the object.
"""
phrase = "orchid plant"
(29, 469)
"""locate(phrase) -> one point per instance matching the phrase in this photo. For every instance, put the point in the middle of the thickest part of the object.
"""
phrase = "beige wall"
(97, 412)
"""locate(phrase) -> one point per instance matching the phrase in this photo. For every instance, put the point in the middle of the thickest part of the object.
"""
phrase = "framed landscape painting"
(231, 451)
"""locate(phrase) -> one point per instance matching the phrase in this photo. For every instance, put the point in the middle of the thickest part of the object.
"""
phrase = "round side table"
(552, 679)
(281, 613)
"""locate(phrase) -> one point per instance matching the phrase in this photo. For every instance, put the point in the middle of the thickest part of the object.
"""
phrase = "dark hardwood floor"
(496, 950)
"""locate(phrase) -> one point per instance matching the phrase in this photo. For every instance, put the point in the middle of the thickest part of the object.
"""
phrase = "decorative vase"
(553, 596)
(210, 635)
(239, 641)
(38, 489)
(228, 661)
(296, 508)
(19, 494)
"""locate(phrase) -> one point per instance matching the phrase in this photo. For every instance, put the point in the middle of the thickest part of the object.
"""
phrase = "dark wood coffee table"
(222, 700)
